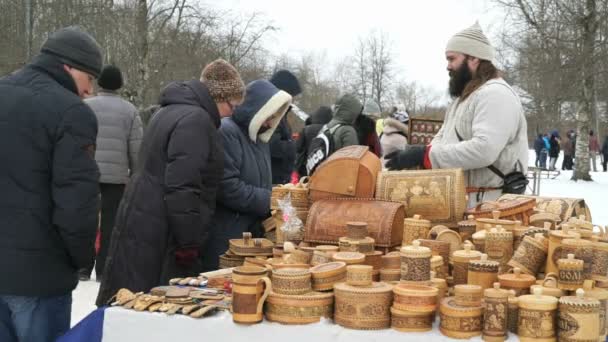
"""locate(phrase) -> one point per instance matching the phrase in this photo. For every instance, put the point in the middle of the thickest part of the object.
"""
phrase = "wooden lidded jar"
(537, 313)
(570, 273)
(499, 246)
(460, 260)
(416, 264)
(415, 228)
(578, 318)
(602, 296)
(356, 230)
(599, 267)
(359, 307)
(467, 227)
(582, 250)
(495, 317)
(483, 272)
(468, 295)
(531, 255)
(459, 321)
(555, 247)
(517, 281)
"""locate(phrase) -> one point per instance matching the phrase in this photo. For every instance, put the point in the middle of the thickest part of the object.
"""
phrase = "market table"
(121, 325)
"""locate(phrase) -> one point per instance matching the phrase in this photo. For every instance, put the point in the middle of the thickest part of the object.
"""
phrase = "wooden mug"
(250, 287)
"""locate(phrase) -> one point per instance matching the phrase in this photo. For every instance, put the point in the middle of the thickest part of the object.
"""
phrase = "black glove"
(409, 158)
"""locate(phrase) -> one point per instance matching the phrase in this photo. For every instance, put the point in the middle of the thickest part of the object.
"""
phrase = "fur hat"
(473, 42)
(285, 80)
(75, 48)
(223, 81)
(110, 78)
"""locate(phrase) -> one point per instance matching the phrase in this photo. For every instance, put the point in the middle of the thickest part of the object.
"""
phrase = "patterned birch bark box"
(578, 318)
(299, 309)
(415, 263)
(536, 320)
(363, 307)
(407, 321)
(460, 260)
(459, 321)
(415, 298)
(324, 276)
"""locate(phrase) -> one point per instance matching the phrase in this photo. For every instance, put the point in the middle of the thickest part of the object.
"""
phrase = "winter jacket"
(394, 136)
(119, 136)
(567, 147)
(345, 114)
(169, 202)
(282, 153)
(493, 128)
(317, 120)
(594, 145)
(366, 134)
(243, 200)
(547, 143)
(539, 144)
(555, 147)
(49, 181)
(605, 147)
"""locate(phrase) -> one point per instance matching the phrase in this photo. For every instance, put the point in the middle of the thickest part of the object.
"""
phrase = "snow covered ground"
(595, 194)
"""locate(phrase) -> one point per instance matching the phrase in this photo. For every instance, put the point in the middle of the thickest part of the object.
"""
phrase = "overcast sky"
(419, 28)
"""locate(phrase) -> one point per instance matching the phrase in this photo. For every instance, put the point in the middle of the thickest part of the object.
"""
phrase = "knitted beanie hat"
(473, 42)
(223, 81)
(75, 48)
(110, 78)
(286, 81)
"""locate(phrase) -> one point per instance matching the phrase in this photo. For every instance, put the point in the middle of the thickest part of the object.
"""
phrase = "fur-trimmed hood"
(393, 126)
(262, 101)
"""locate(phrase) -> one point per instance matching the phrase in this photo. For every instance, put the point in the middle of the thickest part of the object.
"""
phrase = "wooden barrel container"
(415, 228)
(531, 255)
(578, 318)
(536, 321)
(363, 307)
(356, 230)
(499, 246)
(483, 272)
(570, 273)
(299, 309)
(468, 295)
(324, 276)
(415, 263)
(496, 303)
(458, 321)
(582, 250)
(391, 261)
(415, 298)
(408, 321)
(359, 275)
(460, 262)
(291, 281)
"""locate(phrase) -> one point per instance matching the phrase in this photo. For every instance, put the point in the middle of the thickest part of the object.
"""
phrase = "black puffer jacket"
(318, 119)
(171, 198)
(282, 153)
(48, 181)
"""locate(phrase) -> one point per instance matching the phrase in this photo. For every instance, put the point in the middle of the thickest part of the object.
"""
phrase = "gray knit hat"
(75, 48)
(473, 42)
(223, 81)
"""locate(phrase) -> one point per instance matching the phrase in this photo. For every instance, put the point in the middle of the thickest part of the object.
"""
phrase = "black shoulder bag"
(515, 182)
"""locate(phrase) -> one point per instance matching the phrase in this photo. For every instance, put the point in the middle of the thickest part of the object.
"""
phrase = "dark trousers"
(605, 162)
(567, 163)
(110, 199)
(34, 319)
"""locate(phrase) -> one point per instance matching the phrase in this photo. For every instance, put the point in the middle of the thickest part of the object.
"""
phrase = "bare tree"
(380, 59)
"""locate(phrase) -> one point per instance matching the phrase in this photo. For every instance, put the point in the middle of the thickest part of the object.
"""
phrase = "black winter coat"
(317, 120)
(48, 180)
(171, 198)
(282, 153)
(605, 147)
(555, 148)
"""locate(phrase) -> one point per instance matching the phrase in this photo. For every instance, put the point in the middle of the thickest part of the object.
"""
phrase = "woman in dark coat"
(554, 150)
(243, 199)
(605, 153)
(165, 212)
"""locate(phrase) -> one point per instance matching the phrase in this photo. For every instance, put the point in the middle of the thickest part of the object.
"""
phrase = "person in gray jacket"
(118, 140)
(484, 125)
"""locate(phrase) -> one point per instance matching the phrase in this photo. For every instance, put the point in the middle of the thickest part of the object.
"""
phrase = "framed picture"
(423, 130)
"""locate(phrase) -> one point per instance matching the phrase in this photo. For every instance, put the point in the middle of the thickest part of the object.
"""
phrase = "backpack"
(321, 147)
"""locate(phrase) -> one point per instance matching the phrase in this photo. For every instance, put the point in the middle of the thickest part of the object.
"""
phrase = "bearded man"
(485, 130)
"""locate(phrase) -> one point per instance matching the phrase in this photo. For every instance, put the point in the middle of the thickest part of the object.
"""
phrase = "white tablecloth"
(121, 325)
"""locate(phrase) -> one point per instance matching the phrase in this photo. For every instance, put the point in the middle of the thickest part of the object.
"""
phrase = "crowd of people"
(550, 145)
(166, 199)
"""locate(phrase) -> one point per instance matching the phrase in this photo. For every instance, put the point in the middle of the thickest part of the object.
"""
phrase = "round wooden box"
(359, 275)
(499, 246)
(350, 258)
(407, 321)
(390, 275)
(415, 263)
(299, 309)
(363, 307)
(458, 321)
(599, 267)
(468, 295)
(555, 247)
(467, 228)
(578, 318)
(374, 259)
(495, 303)
(324, 276)
(356, 230)
(391, 261)
(517, 281)
(460, 261)
(291, 281)
(443, 233)
(319, 258)
(365, 245)
(415, 228)
(536, 320)
(531, 255)
(228, 261)
(570, 276)
(582, 250)
(483, 272)
(247, 246)
(415, 298)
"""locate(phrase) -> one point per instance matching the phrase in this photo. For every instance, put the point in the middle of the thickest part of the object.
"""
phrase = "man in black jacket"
(165, 213)
(315, 122)
(282, 146)
(49, 182)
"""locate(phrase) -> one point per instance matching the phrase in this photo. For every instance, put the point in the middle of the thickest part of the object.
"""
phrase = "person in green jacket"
(346, 111)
